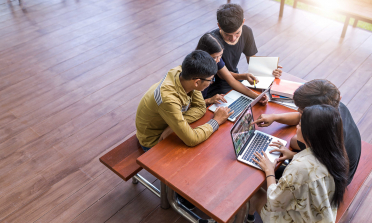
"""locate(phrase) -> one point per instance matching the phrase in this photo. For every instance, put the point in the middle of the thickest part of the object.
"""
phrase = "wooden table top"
(209, 174)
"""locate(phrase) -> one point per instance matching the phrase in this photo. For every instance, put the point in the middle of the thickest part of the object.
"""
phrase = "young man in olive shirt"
(176, 101)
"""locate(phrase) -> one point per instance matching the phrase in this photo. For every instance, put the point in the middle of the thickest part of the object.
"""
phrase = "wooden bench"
(351, 9)
(122, 159)
(362, 173)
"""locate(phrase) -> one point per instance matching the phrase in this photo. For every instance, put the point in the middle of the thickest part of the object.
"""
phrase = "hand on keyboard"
(222, 114)
(264, 162)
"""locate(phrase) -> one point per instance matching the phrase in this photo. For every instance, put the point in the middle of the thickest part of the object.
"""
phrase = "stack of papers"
(287, 102)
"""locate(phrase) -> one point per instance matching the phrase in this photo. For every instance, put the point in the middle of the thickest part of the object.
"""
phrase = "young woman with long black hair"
(213, 45)
(313, 184)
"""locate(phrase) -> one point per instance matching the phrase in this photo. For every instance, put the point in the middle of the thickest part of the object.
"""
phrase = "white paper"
(264, 82)
(263, 66)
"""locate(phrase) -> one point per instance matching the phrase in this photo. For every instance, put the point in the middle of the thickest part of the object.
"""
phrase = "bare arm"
(291, 118)
(239, 76)
(236, 85)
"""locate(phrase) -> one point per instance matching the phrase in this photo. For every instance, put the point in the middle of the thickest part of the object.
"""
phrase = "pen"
(254, 83)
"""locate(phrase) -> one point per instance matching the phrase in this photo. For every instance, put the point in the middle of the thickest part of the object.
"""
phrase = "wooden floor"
(72, 74)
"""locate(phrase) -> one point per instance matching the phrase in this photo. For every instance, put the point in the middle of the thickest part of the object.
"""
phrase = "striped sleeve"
(214, 124)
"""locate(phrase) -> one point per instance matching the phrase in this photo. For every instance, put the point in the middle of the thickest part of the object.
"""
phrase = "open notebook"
(262, 68)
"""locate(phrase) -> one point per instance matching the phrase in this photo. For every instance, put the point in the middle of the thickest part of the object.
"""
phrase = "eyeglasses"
(211, 80)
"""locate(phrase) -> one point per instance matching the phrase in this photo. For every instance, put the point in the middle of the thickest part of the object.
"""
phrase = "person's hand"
(216, 99)
(264, 162)
(165, 133)
(287, 154)
(278, 72)
(265, 120)
(264, 100)
(251, 78)
(221, 114)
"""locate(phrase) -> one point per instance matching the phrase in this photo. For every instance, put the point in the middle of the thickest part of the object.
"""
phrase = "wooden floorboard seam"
(77, 192)
(129, 203)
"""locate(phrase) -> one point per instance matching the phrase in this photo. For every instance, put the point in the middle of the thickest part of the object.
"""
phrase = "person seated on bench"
(237, 38)
(213, 45)
(313, 184)
(318, 92)
(176, 101)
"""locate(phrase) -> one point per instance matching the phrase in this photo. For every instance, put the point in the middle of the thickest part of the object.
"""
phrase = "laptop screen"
(242, 129)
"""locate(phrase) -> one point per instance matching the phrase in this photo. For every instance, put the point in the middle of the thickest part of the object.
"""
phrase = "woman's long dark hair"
(322, 130)
(210, 44)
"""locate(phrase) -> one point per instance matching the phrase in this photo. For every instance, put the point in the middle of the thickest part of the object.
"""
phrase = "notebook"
(284, 88)
(247, 140)
(262, 68)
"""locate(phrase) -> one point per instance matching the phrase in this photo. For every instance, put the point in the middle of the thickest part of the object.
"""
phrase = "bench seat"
(361, 174)
(122, 159)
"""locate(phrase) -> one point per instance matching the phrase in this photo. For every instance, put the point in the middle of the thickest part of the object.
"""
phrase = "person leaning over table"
(237, 38)
(174, 102)
(213, 45)
(317, 92)
(313, 184)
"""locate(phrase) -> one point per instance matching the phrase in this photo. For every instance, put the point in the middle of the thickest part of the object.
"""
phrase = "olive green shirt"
(167, 104)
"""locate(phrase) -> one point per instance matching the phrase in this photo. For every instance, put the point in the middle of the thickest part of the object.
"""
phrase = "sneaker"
(185, 202)
(250, 218)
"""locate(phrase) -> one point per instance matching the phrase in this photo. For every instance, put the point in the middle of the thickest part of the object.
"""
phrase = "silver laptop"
(247, 140)
(237, 102)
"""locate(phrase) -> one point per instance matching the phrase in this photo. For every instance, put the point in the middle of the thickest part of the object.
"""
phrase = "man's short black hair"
(230, 17)
(198, 64)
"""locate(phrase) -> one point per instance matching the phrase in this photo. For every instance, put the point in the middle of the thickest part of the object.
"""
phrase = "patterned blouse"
(303, 193)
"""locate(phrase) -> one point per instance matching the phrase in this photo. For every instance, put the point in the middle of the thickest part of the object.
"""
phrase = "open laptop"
(237, 102)
(247, 140)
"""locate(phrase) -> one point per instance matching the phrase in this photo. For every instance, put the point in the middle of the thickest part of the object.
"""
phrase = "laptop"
(247, 140)
(237, 102)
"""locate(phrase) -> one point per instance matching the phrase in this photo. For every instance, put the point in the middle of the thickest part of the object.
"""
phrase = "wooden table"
(208, 175)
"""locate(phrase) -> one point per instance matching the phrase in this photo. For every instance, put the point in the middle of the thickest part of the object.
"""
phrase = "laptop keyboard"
(259, 143)
(239, 105)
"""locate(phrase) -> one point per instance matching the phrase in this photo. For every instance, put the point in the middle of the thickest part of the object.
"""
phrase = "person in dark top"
(317, 92)
(237, 39)
(213, 46)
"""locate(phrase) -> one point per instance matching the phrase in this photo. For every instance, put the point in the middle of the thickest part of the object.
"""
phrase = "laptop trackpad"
(272, 156)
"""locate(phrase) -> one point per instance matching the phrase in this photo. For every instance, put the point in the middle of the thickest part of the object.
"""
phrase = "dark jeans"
(145, 148)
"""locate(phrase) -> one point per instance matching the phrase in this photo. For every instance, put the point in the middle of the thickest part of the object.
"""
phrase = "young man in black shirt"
(237, 39)
(318, 92)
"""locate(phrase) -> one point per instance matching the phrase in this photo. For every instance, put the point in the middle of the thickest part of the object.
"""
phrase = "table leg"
(345, 26)
(281, 8)
(134, 180)
(163, 196)
(178, 207)
(242, 214)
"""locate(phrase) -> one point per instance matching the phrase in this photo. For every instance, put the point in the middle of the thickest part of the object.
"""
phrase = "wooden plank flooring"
(72, 74)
